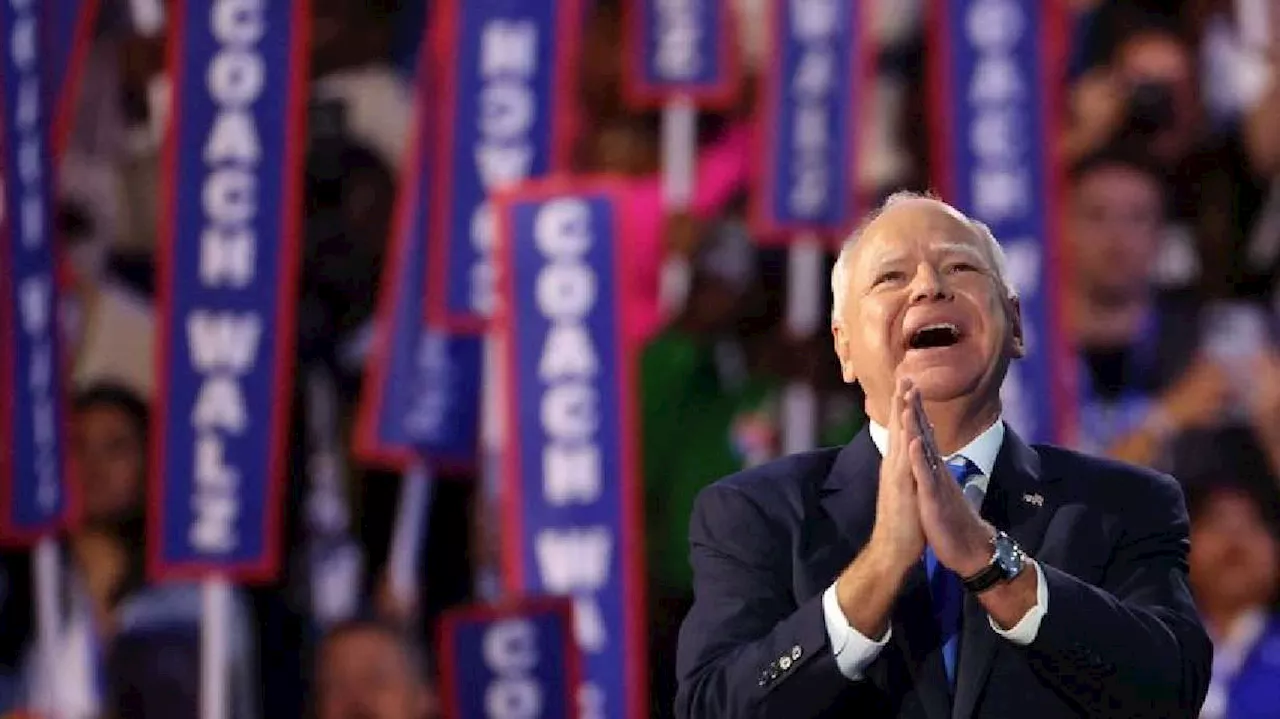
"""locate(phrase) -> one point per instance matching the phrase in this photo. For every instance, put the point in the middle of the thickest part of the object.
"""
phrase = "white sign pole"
(804, 305)
(47, 580)
(412, 513)
(214, 633)
(679, 155)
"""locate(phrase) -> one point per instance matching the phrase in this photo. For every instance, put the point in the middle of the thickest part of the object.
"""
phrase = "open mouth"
(934, 336)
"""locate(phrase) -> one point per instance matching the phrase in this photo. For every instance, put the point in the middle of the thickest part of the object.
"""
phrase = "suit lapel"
(848, 498)
(1021, 502)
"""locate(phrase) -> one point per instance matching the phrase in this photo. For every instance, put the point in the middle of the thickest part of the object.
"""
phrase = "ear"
(840, 339)
(1017, 340)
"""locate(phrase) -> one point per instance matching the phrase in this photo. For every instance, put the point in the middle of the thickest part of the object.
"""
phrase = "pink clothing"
(722, 170)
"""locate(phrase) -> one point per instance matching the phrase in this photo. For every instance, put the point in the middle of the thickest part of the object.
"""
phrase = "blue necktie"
(944, 586)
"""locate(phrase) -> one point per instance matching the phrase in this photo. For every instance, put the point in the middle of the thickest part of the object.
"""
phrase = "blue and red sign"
(507, 88)
(813, 92)
(680, 48)
(996, 73)
(421, 394)
(34, 497)
(516, 660)
(572, 505)
(227, 286)
(68, 34)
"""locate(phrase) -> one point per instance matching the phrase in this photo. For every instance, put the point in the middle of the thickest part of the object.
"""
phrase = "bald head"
(883, 217)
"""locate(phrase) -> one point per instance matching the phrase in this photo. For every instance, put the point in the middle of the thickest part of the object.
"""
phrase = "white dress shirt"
(854, 651)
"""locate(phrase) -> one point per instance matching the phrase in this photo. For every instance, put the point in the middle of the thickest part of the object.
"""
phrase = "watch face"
(1008, 555)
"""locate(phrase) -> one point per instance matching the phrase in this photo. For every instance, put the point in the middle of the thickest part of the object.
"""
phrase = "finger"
(926, 477)
(932, 453)
(896, 403)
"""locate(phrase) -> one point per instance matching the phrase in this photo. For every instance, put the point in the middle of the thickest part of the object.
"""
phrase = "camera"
(1150, 108)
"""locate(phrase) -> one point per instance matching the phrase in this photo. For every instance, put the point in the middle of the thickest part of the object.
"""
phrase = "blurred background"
(1169, 141)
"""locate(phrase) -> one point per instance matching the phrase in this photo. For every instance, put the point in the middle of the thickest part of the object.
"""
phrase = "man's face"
(923, 301)
(1233, 554)
(110, 459)
(1115, 230)
(365, 675)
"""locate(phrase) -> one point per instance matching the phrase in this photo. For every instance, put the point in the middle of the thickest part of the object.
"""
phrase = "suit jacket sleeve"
(744, 620)
(1134, 646)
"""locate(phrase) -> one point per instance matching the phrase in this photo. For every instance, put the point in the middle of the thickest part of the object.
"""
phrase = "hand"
(898, 535)
(1098, 107)
(683, 233)
(1264, 396)
(391, 606)
(960, 538)
(1199, 398)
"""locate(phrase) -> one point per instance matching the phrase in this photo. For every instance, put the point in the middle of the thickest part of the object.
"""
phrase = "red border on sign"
(447, 637)
(11, 537)
(445, 35)
(640, 94)
(1054, 40)
(769, 230)
(64, 109)
(632, 510)
(265, 567)
(1055, 35)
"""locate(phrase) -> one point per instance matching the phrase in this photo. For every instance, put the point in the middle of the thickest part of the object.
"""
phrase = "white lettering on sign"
(575, 561)
(225, 346)
(1002, 184)
(504, 149)
(677, 39)
(428, 412)
(510, 650)
(36, 297)
(810, 94)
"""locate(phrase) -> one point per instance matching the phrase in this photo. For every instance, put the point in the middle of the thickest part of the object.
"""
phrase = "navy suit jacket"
(1122, 637)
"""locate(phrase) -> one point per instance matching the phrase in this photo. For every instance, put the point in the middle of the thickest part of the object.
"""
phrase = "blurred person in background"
(1235, 568)
(369, 670)
(1142, 379)
(109, 326)
(128, 648)
(1148, 95)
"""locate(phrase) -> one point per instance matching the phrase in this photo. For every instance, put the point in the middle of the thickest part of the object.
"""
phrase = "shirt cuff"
(852, 650)
(1025, 631)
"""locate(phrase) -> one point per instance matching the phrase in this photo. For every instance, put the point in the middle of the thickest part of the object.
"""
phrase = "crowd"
(1172, 226)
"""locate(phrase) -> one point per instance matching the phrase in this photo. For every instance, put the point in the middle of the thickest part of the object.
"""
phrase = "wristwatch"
(1007, 562)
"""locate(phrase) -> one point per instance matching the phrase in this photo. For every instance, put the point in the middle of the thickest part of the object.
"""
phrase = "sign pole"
(804, 304)
(47, 581)
(679, 156)
(412, 513)
(215, 593)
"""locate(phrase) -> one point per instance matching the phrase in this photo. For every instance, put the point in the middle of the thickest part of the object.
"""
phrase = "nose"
(929, 285)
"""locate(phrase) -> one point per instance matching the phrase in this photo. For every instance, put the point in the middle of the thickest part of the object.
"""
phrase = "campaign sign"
(572, 495)
(33, 490)
(515, 660)
(679, 48)
(995, 71)
(507, 89)
(68, 34)
(421, 393)
(227, 287)
(813, 90)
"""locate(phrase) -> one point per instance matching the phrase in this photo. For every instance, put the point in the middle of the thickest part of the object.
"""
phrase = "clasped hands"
(920, 503)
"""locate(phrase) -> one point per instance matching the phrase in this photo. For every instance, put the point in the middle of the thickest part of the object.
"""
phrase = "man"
(1143, 380)
(368, 669)
(1066, 596)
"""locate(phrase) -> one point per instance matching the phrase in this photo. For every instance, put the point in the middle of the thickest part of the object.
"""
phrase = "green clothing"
(695, 431)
